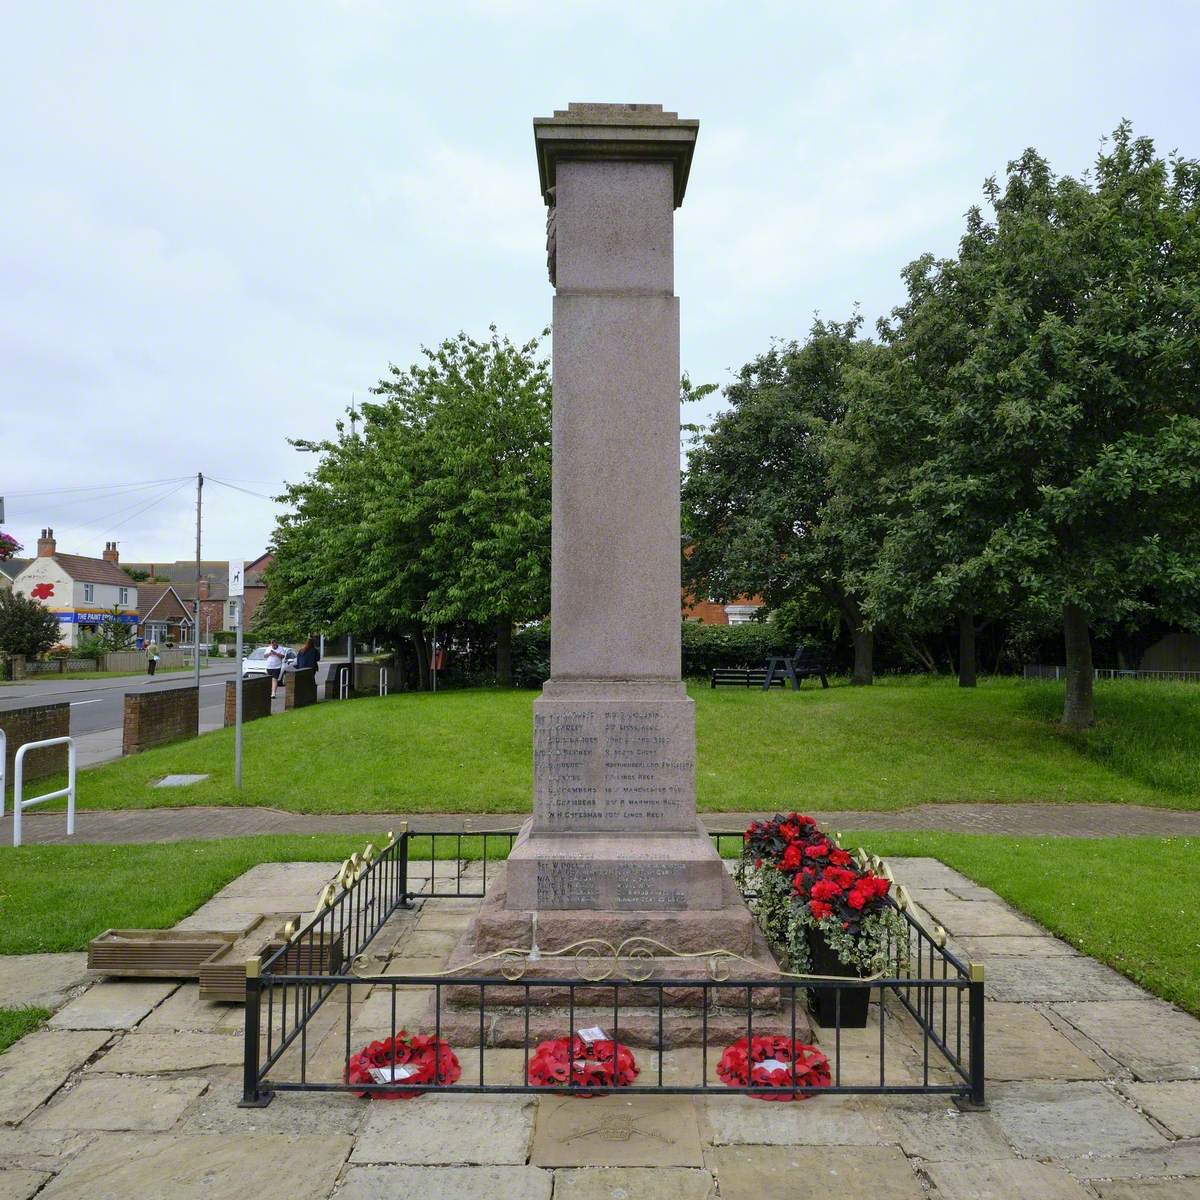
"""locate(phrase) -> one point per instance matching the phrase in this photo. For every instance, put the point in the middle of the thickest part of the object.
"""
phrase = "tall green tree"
(1061, 471)
(25, 626)
(760, 507)
(436, 512)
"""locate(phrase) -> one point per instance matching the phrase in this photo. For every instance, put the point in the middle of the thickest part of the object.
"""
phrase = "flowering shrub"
(596, 1063)
(798, 878)
(403, 1060)
(9, 546)
(768, 1063)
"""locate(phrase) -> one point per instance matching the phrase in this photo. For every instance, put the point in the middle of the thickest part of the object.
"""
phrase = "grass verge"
(15, 1023)
(901, 743)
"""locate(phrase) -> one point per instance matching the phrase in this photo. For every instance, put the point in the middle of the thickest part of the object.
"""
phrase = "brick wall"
(256, 699)
(154, 718)
(299, 689)
(33, 724)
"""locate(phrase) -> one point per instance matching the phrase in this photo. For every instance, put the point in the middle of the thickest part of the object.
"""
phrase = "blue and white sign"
(95, 618)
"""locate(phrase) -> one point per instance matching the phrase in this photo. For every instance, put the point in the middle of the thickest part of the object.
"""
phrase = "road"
(98, 705)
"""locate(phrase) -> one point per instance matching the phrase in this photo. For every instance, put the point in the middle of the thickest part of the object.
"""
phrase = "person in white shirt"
(274, 665)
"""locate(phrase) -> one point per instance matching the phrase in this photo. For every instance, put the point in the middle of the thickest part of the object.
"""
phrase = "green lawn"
(15, 1023)
(1131, 902)
(897, 744)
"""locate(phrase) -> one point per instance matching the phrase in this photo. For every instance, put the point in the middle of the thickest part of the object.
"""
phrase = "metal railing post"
(253, 1095)
(19, 801)
(977, 1100)
(402, 858)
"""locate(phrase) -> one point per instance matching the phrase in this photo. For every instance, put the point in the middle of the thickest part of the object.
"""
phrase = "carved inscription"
(577, 883)
(615, 767)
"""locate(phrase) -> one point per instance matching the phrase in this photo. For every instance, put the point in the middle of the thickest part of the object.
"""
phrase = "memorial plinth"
(614, 849)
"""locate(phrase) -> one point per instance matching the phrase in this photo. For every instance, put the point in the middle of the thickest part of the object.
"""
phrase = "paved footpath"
(1018, 820)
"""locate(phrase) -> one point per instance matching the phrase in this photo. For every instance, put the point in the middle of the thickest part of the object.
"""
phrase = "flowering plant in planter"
(798, 881)
(768, 1062)
(9, 546)
(590, 1062)
(403, 1059)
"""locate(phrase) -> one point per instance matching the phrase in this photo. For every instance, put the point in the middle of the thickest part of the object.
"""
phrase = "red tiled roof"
(93, 570)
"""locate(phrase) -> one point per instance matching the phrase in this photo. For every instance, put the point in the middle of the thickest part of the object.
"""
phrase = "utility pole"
(237, 592)
(199, 495)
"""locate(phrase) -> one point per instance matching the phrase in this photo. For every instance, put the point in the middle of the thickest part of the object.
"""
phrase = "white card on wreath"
(774, 1064)
(593, 1033)
(393, 1074)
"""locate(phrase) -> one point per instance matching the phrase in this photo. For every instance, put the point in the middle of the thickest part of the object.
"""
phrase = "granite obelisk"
(614, 822)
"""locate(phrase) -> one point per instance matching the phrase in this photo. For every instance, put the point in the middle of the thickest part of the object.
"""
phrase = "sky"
(219, 223)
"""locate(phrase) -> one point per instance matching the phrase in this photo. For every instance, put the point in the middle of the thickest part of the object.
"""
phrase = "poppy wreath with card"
(775, 1062)
(595, 1063)
(403, 1059)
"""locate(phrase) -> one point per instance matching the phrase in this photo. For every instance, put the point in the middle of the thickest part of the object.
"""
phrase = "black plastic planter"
(823, 1001)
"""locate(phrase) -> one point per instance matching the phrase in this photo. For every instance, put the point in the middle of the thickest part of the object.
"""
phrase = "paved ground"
(132, 1090)
(1028, 820)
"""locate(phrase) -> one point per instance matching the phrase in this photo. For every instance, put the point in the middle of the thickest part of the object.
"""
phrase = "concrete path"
(1017, 820)
(132, 1088)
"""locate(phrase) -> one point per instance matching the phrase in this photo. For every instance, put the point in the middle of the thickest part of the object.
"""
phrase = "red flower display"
(600, 1063)
(423, 1057)
(769, 1063)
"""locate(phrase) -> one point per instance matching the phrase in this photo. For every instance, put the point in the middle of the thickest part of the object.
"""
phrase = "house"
(217, 611)
(738, 611)
(81, 592)
(10, 568)
(163, 616)
(255, 584)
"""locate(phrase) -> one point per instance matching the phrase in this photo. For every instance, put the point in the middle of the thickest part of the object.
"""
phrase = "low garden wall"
(34, 724)
(256, 699)
(155, 718)
(300, 689)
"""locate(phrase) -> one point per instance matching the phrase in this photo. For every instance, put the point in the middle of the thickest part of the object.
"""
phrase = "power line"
(99, 487)
(101, 522)
(112, 494)
(234, 487)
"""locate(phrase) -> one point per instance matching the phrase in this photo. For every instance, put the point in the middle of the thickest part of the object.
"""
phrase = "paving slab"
(121, 1103)
(633, 1183)
(1069, 1120)
(184, 1010)
(982, 949)
(175, 781)
(446, 1183)
(45, 980)
(814, 1173)
(293, 1113)
(1022, 1044)
(820, 1121)
(430, 943)
(171, 1167)
(617, 1131)
(33, 1069)
(1179, 1158)
(47, 1151)
(1155, 1041)
(20, 1184)
(980, 918)
(1175, 1105)
(156, 1053)
(925, 873)
(113, 1005)
(1149, 1189)
(1012, 1179)
(1051, 979)
(485, 1130)
(432, 918)
(934, 1129)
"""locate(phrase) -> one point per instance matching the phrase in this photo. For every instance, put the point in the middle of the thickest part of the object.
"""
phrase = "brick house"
(163, 616)
(255, 584)
(81, 592)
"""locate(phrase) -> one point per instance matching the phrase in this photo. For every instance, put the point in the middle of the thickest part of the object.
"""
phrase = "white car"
(255, 663)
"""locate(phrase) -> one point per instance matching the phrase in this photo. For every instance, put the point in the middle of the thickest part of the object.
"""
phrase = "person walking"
(151, 658)
(274, 665)
(309, 657)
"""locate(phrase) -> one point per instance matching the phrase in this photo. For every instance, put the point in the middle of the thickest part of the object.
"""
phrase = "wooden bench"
(742, 677)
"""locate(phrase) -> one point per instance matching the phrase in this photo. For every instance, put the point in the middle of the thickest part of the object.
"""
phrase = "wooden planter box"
(155, 953)
(223, 975)
(323, 956)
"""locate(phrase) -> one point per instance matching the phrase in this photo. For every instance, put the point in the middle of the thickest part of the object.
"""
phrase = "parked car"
(255, 663)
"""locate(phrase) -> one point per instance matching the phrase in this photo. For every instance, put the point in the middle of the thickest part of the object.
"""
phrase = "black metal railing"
(926, 1014)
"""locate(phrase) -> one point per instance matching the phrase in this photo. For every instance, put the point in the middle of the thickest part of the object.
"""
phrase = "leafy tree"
(436, 513)
(25, 626)
(760, 509)
(1072, 477)
(136, 574)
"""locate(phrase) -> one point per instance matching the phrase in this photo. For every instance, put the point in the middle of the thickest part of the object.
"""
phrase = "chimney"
(202, 588)
(46, 544)
(110, 552)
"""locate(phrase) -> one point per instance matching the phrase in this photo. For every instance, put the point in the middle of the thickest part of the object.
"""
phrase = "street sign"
(237, 586)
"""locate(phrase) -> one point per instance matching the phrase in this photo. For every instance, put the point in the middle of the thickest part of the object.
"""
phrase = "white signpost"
(237, 591)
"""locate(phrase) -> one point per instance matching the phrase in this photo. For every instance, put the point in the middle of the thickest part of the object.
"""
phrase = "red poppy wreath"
(596, 1062)
(769, 1063)
(403, 1059)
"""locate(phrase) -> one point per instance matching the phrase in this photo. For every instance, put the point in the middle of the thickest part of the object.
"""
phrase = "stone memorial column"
(614, 824)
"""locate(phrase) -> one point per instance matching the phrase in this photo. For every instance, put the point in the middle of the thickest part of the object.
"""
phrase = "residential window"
(233, 608)
(122, 595)
(89, 593)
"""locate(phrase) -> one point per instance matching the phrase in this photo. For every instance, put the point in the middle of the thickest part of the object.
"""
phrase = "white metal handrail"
(383, 681)
(344, 682)
(20, 803)
(3, 761)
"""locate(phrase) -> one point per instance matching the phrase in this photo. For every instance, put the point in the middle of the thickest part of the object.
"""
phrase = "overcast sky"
(222, 221)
